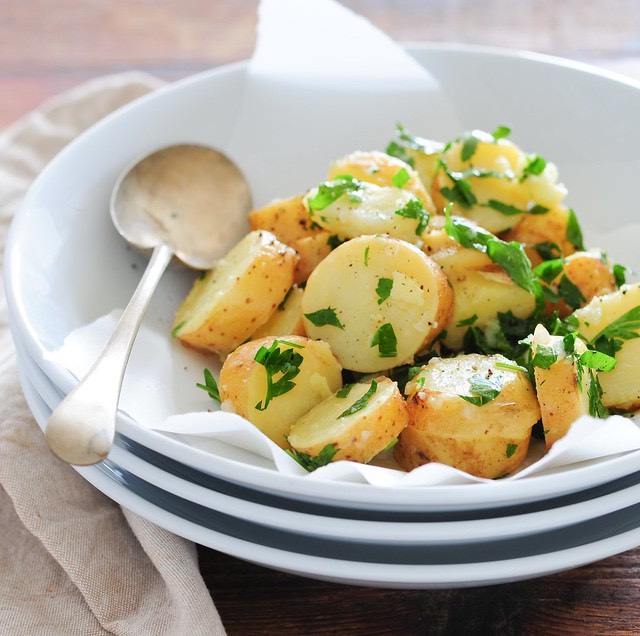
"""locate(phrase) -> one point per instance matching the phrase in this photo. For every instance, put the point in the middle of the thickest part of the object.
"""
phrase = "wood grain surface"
(47, 46)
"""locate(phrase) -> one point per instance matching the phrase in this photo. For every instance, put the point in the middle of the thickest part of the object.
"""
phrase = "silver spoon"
(186, 200)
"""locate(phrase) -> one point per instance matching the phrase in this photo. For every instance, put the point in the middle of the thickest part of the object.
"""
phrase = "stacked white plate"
(65, 266)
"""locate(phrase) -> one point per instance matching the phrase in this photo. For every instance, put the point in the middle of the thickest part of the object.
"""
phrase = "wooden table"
(47, 46)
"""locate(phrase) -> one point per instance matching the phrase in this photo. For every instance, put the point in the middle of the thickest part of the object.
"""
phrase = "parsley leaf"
(210, 386)
(386, 341)
(484, 388)
(309, 462)
(619, 274)
(501, 132)
(597, 360)
(510, 450)
(324, 317)
(594, 394)
(510, 256)
(331, 191)
(285, 363)
(535, 166)
(549, 270)
(176, 329)
(400, 178)
(544, 357)
(574, 232)
(503, 208)
(468, 321)
(548, 251)
(361, 402)
(612, 337)
(469, 146)
(385, 285)
(398, 150)
(570, 292)
(414, 209)
(345, 390)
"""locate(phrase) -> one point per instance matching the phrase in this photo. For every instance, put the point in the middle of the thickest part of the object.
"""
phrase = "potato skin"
(243, 384)
(360, 436)
(621, 386)
(288, 219)
(237, 296)
(417, 308)
(562, 398)
(487, 441)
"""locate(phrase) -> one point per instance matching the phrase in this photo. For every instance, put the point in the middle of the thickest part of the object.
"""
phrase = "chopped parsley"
(612, 337)
(210, 386)
(383, 290)
(535, 166)
(334, 241)
(574, 232)
(324, 317)
(361, 402)
(467, 321)
(415, 210)
(503, 208)
(366, 256)
(345, 390)
(548, 251)
(511, 367)
(386, 341)
(484, 389)
(510, 450)
(501, 132)
(619, 274)
(309, 462)
(331, 191)
(400, 178)
(176, 329)
(544, 357)
(284, 363)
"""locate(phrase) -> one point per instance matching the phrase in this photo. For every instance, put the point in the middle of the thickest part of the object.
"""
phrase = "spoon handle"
(81, 429)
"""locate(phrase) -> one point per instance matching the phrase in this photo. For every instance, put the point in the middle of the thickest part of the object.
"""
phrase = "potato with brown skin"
(621, 386)
(288, 219)
(589, 273)
(563, 394)
(246, 384)
(381, 169)
(486, 438)
(359, 435)
(230, 302)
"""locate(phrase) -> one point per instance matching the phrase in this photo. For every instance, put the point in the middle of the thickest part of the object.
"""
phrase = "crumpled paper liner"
(330, 79)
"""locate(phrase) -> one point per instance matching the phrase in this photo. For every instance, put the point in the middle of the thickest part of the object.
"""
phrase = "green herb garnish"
(210, 386)
(176, 329)
(511, 449)
(366, 256)
(535, 166)
(400, 178)
(386, 341)
(415, 210)
(501, 132)
(467, 321)
(383, 290)
(574, 232)
(345, 390)
(324, 317)
(484, 389)
(361, 402)
(284, 363)
(309, 462)
(331, 191)
(612, 337)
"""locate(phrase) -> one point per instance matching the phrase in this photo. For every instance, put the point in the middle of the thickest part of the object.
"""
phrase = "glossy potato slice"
(487, 440)
(377, 301)
(288, 219)
(228, 303)
(359, 436)
(244, 383)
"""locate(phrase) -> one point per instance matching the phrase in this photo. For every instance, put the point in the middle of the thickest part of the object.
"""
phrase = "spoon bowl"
(185, 200)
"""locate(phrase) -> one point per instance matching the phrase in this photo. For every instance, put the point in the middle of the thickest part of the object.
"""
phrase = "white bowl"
(66, 265)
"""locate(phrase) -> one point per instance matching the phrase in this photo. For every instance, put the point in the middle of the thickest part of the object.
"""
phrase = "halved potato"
(359, 434)
(311, 250)
(562, 395)
(621, 386)
(288, 219)
(377, 301)
(380, 168)
(228, 304)
(485, 439)
(286, 320)
(247, 386)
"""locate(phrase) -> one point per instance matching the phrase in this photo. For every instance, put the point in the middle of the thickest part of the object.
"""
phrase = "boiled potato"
(497, 179)
(543, 229)
(562, 393)
(245, 382)
(382, 169)
(228, 304)
(311, 250)
(424, 154)
(371, 209)
(288, 219)
(621, 386)
(286, 320)
(487, 440)
(377, 301)
(359, 435)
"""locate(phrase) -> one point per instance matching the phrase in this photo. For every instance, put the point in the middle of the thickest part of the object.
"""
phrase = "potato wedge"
(382, 169)
(311, 250)
(377, 301)
(237, 296)
(359, 435)
(286, 320)
(371, 209)
(288, 219)
(484, 439)
(249, 387)
(602, 318)
(562, 394)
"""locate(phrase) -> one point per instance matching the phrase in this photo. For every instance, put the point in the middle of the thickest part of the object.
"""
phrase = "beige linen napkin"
(71, 560)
